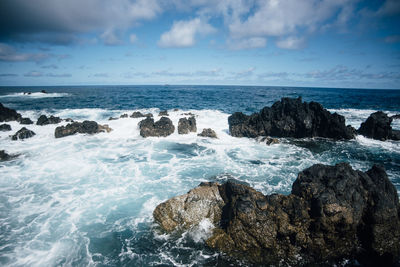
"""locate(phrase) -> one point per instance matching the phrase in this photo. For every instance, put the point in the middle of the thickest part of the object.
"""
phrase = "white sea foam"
(34, 95)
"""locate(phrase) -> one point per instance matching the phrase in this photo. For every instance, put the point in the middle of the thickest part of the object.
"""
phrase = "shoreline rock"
(378, 126)
(44, 120)
(88, 127)
(162, 127)
(291, 117)
(5, 127)
(163, 113)
(208, 132)
(334, 213)
(8, 114)
(26, 121)
(23, 133)
(187, 125)
(4, 156)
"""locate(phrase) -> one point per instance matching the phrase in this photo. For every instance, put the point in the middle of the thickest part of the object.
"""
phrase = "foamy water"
(88, 199)
(33, 95)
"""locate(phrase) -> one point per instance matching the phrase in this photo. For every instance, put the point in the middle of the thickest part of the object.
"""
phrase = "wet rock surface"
(8, 114)
(162, 127)
(44, 120)
(163, 113)
(186, 126)
(207, 132)
(4, 156)
(25, 121)
(291, 118)
(23, 133)
(378, 126)
(334, 213)
(268, 140)
(86, 127)
(5, 127)
(138, 114)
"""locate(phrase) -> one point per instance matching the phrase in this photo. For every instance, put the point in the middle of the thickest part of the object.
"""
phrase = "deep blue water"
(87, 200)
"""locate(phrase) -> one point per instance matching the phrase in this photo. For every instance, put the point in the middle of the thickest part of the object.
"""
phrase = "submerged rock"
(207, 132)
(5, 127)
(23, 133)
(123, 116)
(377, 126)
(163, 127)
(44, 120)
(4, 156)
(334, 213)
(163, 113)
(89, 127)
(291, 118)
(187, 125)
(8, 114)
(267, 140)
(25, 121)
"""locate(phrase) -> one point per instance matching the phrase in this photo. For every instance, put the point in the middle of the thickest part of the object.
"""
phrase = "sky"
(311, 43)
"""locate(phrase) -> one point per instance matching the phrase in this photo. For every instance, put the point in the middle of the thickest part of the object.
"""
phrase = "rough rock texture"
(123, 116)
(163, 113)
(333, 213)
(396, 117)
(4, 156)
(89, 127)
(291, 118)
(5, 127)
(44, 120)
(267, 140)
(25, 121)
(207, 132)
(138, 114)
(187, 125)
(163, 127)
(23, 133)
(8, 114)
(377, 126)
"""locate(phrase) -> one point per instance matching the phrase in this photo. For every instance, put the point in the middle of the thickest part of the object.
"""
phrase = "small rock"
(89, 127)
(43, 92)
(187, 125)
(268, 140)
(4, 156)
(176, 109)
(44, 120)
(25, 121)
(163, 113)
(137, 114)
(112, 119)
(163, 127)
(207, 132)
(23, 133)
(104, 128)
(69, 120)
(5, 127)
(123, 116)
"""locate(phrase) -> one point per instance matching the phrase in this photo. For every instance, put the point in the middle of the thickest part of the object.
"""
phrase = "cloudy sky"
(326, 43)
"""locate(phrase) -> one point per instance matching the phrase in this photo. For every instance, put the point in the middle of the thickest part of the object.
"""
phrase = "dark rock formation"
(291, 118)
(44, 120)
(112, 119)
(138, 114)
(4, 156)
(207, 132)
(5, 127)
(43, 92)
(333, 213)
(396, 117)
(123, 116)
(267, 140)
(187, 125)
(89, 127)
(163, 127)
(25, 121)
(377, 126)
(8, 114)
(163, 113)
(23, 133)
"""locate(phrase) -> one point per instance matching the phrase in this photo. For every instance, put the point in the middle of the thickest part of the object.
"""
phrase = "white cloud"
(133, 38)
(109, 37)
(247, 43)
(290, 43)
(183, 33)
(8, 53)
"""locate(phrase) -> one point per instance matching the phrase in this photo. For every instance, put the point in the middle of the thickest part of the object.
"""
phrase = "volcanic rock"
(163, 127)
(89, 127)
(163, 113)
(124, 116)
(334, 213)
(5, 127)
(25, 121)
(377, 126)
(207, 132)
(8, 114)
(23, 133)
(44, 120)
(4, 156)
(396, 117)
(291, 118)
(267, 140)
(138, 114)
(187, 125)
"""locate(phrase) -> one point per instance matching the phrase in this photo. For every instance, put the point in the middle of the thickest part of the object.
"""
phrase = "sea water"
(87, 200)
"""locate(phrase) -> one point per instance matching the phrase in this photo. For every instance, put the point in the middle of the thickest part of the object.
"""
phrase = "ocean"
(87, 200)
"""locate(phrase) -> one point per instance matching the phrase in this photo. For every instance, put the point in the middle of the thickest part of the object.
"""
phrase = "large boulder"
(207, 132)
(377, 126)
(291, 118)
(334, 213)
(23, 133)
(187, 125)
(25, 121)
(163, 127)
(44, 120)
(88, 127)
(8, 114)
(5, 127)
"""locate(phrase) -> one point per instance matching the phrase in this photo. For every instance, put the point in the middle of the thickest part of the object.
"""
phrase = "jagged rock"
(207, 132)
(163, 113)
(112, 119)
(5, 127)
(69, 120)
(23, 133)
(163, 127)
(25, 121)
(396, 117)
(124, 116)
(4, 156)
(334, 213)
(44, 120)
(8, 114)
(291, 118)
(377, 126)
(187, 125)
(189, 114)
(267, 140)
(89, 127)
(138, 114)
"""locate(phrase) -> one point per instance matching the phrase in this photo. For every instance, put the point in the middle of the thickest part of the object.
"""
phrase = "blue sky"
(329, 43)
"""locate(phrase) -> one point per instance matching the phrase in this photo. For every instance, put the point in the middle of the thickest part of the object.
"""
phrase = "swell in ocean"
(88, 199)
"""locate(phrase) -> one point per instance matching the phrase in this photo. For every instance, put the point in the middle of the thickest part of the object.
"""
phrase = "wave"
(34, 95)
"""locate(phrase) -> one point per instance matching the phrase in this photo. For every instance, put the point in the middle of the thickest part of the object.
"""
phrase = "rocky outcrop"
(377, 126)
(25, 121)
(44, 120)
(207, 132)
(124, 116)
(267, 140)
(23, 133)
(163, 113)
(187, 125)
(5, 127)
(138, 114)
(4, 156)
(8, 114)
(334, 213)
(396, 117)
(88, 127)
(163, 127)
(291, 118)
